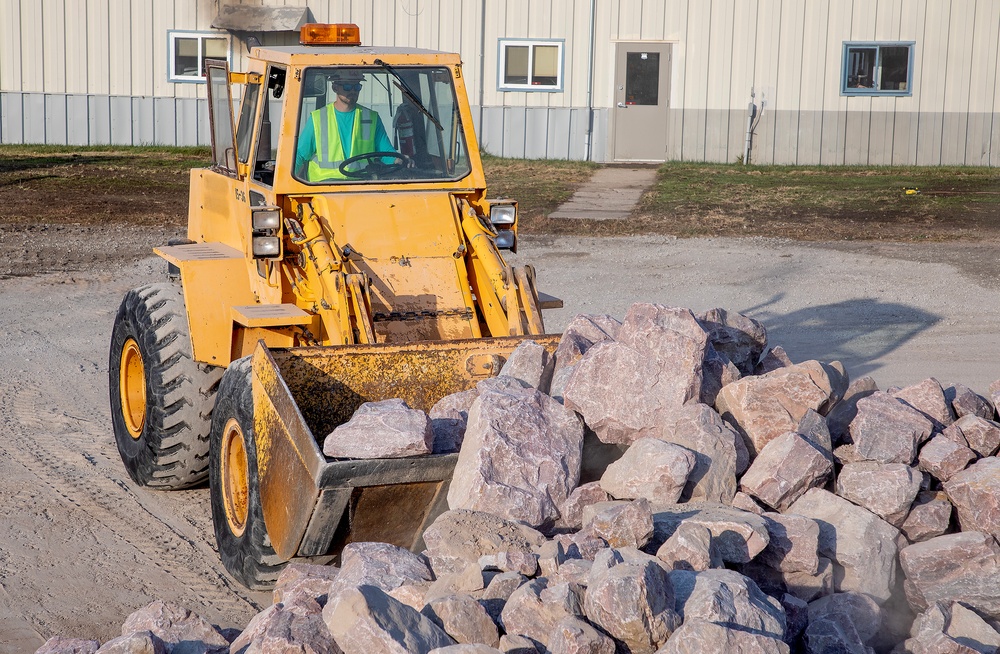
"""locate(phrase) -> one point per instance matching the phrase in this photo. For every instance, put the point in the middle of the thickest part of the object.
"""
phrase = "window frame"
(173, 35)
(502, 45)
(878, 46)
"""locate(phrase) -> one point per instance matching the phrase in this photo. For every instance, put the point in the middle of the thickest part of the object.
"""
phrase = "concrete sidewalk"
(611, 193)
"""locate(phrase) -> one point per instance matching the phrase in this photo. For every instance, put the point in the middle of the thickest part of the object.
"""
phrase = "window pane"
(895, 62)
(186, 57)
(861, 68)
(515, 64)
(216, 49)
(642, 78)
(546, 65)
(247, 115)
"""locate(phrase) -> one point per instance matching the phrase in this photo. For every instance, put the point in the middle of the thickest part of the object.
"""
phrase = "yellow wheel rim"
(235, 488)
(132, 388)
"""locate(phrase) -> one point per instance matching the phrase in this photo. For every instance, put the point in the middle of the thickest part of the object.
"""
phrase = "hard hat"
(346, 75)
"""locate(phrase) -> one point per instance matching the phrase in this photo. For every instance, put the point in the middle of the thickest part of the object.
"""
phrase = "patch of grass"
(539, 186)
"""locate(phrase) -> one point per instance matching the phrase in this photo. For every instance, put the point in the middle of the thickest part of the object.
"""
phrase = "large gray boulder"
(381, 565)
(459, 537)
(464, 619)
(716, 447)
(975, 492)
(650, 468)
(887, 430)
(955, 567)
(449, 416)
(861, 544)
(581, 334)
(531, 363)
(885, 489)
(388, 429)
(534, 609)
(793, 543)
(175, 625)
(785, 468)
(765, 407)
(367, 621)
(520, 458)
(857, 609)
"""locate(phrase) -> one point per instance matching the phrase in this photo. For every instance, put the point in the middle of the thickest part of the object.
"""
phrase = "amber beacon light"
(330, 34)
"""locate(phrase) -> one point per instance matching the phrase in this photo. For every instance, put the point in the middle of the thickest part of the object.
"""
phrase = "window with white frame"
(875, 68)
(189, 50)
(530, 65)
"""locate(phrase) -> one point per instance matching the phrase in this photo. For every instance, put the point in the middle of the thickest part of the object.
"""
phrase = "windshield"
(359, 125)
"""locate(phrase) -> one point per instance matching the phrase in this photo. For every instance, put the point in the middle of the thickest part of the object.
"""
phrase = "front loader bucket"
(312, 505)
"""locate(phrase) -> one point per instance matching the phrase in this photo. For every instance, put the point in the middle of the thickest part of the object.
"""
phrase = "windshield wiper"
(410, 95)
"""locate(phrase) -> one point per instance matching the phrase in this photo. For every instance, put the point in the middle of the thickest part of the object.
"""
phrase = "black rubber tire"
(171, 452)
(248, 556)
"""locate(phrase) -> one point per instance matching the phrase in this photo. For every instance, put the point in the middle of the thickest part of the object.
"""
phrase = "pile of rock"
(661, 484)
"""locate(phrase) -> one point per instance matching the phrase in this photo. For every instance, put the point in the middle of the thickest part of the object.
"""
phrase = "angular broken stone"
(62, 645)
(739, 535)
(517, 644)
(929, 517)
(717, 371)
(633, 602)
(785, 468)
(793, 543)
(981, 435)
(966, 402)
(466, 648)
(887, 430)
(808, 587)
(975, 492)
(140, 642)
(702, 636)
(861, 543)
(955, 567)
(471, 580)
(559, 380)
(621, 524)
(533, 613)
(745, 502)
(690, 547)
(716, 447)
(459, 537)
(727, 597)
(365, 619)
(174, 624)
(499, 590)
(532, 364)
(571, 511)
(650, 468)
(388, 429)
(829, 634)
(968, 627)
(841, 415)
(577, 636)
(582, 333)
(765, 407)
(857, 609)
(739, 338)
(308, 579)
(449, 416)
(283, 628)
(381, 565)
(775, 358)
(885, 489)
(464, 619)
(942, 457)
(928, 398)
(520, 458)
(813, 427)
(796, 616)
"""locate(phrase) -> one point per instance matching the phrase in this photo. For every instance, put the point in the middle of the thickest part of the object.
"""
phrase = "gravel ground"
(81, 547)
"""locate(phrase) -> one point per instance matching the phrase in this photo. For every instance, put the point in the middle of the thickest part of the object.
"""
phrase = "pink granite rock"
(532, 364)
(885, 489)
(745, 502)
(621, 524)
(765, 407)
(739, 535)
(857, 609)
(808, 587)
(378, 564)
(282, 628)
(582, 333)
(928, 398)
(633, 602)
(861, 543)
(716, 447)
(303, 578)
(966, 402)
(62, 645)
(942, 457)
(516, 644)
(975, 492)
(366, 620)
(786, 467)
(981, 435)
(834, 634)
(532, 612)
(690, 547)
(739, 338)
(650, 468)
(388, 429)
(814, 428)
(775, 358)
(577, 636)
(727, 597)
(840, 416)
(449, 417)
(887, 430)
(994, 397)
(929, 517)
(175, 624)
(499, 590)
(571, 511)
(460, 537)
(464, 619)
(956, 567)
(793, 543)
(140, 642)
(696, 636)
(716, 372)
(520, 458)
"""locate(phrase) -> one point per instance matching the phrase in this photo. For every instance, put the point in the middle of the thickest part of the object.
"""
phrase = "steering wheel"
(375, 168)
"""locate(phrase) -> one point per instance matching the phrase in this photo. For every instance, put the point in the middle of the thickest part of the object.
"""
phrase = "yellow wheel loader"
(340, 249)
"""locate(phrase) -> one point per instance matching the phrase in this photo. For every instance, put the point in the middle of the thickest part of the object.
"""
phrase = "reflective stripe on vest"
(325, 164)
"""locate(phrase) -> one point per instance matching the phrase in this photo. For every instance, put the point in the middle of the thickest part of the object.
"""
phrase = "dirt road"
(81, 547)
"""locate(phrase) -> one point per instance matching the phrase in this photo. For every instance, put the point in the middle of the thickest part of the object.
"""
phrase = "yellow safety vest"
(325, 164)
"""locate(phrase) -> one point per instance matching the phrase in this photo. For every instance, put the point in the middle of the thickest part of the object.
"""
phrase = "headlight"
(264, 219)
(506, 239)
(503, 214)
(266, 247)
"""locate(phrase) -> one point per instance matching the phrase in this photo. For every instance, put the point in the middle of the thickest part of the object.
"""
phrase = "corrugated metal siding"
(102, 65)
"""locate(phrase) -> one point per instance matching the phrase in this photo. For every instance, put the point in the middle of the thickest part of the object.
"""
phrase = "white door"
(642, 94)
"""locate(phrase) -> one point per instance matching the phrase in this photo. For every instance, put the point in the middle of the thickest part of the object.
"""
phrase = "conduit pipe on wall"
(590, 83)
(751, 112)
(482, 71)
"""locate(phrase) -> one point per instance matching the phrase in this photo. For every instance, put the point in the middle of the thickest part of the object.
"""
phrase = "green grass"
(538, 185)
